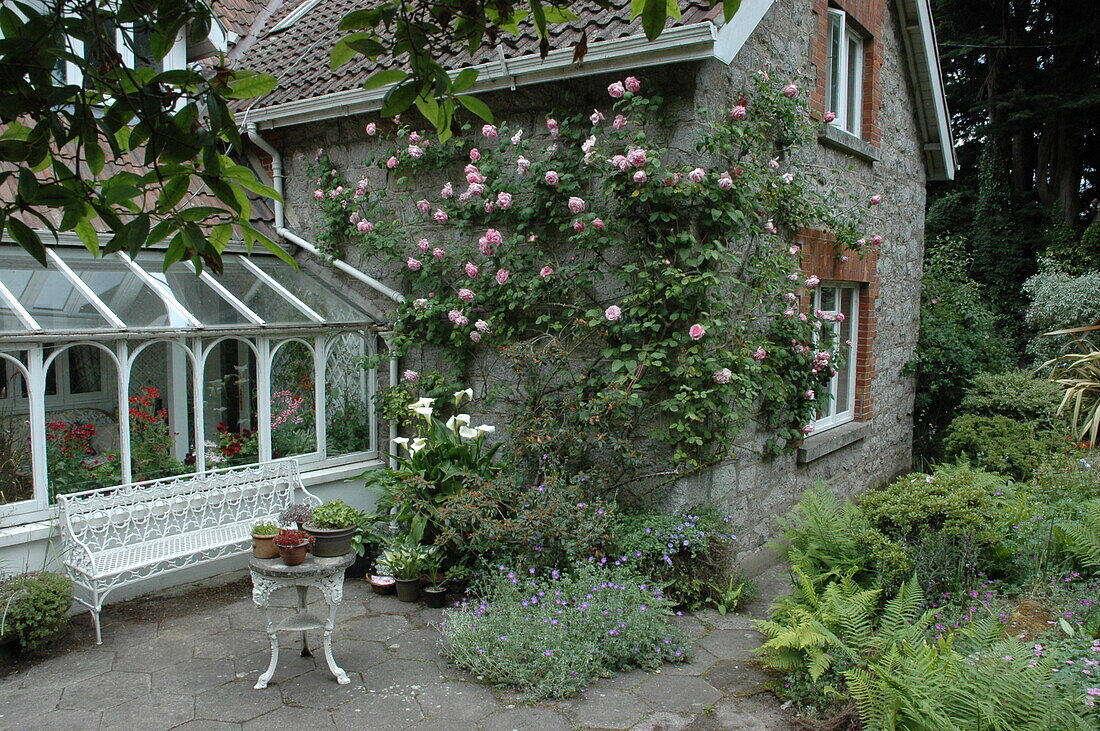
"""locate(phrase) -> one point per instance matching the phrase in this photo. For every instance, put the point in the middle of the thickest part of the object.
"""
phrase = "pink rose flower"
(471, 269)
(632, 84)
(616, 90)
(551, 124)
(876, 240)
(843, 258)
(640, 176)
(697, 331)
(475, 189)
(876, 199)
(598, 223)
(466, 295)
(502, 276)
(423, 245)
(392, 162)
(423, 205)
(596, 117)
(672, 180)
(414, 137)
(441, 216)
(414, 264)
(319, 194)
(812, 281)
(725, 182)
(619, 122)
(517, 137)
(493, 236)
(793, 251)
(363, 226)
(829, 117)
(809, 395)
(787, 178)
(416, 151)
(636, 157)
(722, 375)
(504, 201)
(438, 253)
(790, 91)
(475, 154)
(489, 207)
(371, 128)
(481, 326)
(523, 164)
(353, 218)
(739, 112)
(411, 376)
(447, 191)
(552, 177)
(759, 354)
(773, 163)
(546, 271)
(578, 226)
(620, 162)
(613, 313)
(475, 336)
(840, 317)
(489, 130)
(577, 205)
(697, 175)
(462, 321)
(808, 429)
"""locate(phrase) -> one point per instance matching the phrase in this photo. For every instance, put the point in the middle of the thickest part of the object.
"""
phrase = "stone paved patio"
(189, 661)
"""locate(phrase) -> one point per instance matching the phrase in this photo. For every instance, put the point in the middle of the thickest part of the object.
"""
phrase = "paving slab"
(194, 675)
(154, 654)
(285, 717)
(63, 719)
(151, 712)
(236, 702)
(375, 711)
(731, 644)
(104, 691)
(677, 693)
(610, 709)
(525, 718)
(457, 701)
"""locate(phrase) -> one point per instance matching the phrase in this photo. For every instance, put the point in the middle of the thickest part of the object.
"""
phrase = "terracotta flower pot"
(264, 546)
(293, 555)
(408, 590)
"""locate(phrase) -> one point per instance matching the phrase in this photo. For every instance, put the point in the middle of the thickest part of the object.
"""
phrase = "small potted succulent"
(435, 593)
(332, 526)
(406, 561)
(263, 540)
(293, 545)
(299, 514)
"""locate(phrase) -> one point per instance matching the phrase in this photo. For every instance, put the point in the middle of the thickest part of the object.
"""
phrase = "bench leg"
(270, 672)
(95, 620)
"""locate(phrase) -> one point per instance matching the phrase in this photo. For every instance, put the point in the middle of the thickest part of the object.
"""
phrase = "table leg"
(274, 637)
(341, 677)
(302, 590)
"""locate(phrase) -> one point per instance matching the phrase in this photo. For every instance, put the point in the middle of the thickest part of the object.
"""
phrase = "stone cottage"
(872, 63)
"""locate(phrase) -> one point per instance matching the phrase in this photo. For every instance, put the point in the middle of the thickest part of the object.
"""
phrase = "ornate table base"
(327, 575)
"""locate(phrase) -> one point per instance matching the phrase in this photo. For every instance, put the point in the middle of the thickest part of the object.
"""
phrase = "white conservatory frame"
(31, 351)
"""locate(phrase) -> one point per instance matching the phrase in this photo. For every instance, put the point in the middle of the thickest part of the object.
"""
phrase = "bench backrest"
(142, 511)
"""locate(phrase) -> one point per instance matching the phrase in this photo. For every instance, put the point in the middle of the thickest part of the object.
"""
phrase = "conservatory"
(113, 371)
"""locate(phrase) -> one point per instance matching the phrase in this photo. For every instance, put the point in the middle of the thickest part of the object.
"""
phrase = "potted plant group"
(263, 540)
(293, 545)
(435, 593)
(332, 526)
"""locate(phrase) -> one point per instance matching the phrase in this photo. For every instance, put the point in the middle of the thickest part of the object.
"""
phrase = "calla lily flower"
(417, 444)
(425, 411)
(467, 433)
(401, 441)
(458, 420)
(468, 393)
(485, 429)
(421, 403)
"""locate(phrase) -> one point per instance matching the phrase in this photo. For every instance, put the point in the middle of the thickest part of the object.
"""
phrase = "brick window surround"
(819, 257)
(867, 16)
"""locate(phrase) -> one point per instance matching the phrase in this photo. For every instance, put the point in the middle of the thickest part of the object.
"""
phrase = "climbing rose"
(840, 317)
(787, 178)
(620, 122)
(587, 146)
(482, 326)
(466, 295)
(411, 376)
(423, 245)
(632, 84)
(552, 124)
(504, 200)
(517, 137)
(773, 164)
(475, 154)
(636, 157)
(672, 180)
(416, 151)
(552, 178)
(760, 354)
(489, 130)
(809, 395)
(372, 129)
(414, 137)
(723, 375)
(523, 164)
(808, 429)
(392, 162)
(471, 269)
(697, 331)
(876, 240)
(319, 194)
(790, 91)
(502, 276)
(596, 117)
(830, 116)
(447, 191)
(578, 226)
(598, 223)
(493, 236)
(546, 271)
(438, 253)
(697, 175)
(619, 161)
(640, 176)
(462, 321)
(475, 336)
(414, 264)
(739, 112)
(876, 199)
(576, 205)
(353, 218)
(489, 207)
(616, 90)
(424, 206)
(812, 281)
(475, 189)
(365, 226)
(613, 313)
(440, 215)
(725, 182)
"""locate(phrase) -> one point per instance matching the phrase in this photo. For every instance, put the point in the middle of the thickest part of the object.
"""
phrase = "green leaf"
(365, 44)
(249, 84)
(654, 15)
(429, 107)
(384, 78)
(360, 19)
(88, 236)
(172, 193)
(399, 98)
(538, 16)
(729, 8)
(28, 239)
(464, 80)
(563, 14)
(341, 54)
(476, 106)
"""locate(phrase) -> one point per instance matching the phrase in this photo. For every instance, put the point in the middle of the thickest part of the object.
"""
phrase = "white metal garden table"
(326, 574)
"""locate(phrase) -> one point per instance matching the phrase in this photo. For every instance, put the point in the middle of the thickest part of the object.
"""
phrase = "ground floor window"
(839, 303)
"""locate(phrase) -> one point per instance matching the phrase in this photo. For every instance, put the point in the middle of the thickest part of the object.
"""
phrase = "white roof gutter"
(282, 230)
(684, 43)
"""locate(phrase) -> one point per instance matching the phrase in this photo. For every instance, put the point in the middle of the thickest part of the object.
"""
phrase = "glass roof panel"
(315, 293)
(122, 291)
(200, 299)
(9, 321)
(257, 295)
(51, 299)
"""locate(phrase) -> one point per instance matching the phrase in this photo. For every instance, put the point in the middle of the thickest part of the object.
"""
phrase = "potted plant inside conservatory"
(293, 545)
(263, 540)
(333, 526)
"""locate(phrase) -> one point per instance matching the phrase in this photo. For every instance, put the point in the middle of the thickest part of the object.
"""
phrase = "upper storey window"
(844, 73)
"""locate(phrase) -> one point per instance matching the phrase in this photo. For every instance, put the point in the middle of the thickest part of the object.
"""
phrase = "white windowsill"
(830, 440)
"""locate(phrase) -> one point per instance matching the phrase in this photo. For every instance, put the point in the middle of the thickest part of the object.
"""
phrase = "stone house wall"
(788, 44)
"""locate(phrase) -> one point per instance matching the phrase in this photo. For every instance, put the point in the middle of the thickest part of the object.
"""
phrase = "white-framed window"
(839, 302)
(844, 73)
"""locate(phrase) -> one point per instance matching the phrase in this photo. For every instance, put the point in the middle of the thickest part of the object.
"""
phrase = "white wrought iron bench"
(117, 536)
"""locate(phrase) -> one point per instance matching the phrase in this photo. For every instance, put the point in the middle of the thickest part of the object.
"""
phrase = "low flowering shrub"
(34, 608)
(552, 633)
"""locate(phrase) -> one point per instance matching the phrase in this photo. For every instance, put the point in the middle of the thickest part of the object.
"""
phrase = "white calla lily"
(417, 444)
(458, 420)
(401, 441)
(467, 433)
(468, 393)
(485, 428)
(425, 411)
(421, 403)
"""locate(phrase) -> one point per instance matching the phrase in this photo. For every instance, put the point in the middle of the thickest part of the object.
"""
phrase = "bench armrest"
(80, 556)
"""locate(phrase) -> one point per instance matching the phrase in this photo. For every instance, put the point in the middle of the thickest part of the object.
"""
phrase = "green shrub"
(1016, 395)
(336, 514)
(1082, 537)
(1000, 444)
(826, 538)
(1059, 301)
(35, 608)
(688, 555)
(551, 634)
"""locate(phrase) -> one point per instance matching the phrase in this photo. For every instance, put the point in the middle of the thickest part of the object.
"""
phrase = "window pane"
(827, 298)
(48, 295)
(9, 321)
(85, 369)
(161, 412)
(121, 290)
(15, 449)
(82, 434)
(191, 292)
(293, 407)
(833, 64)
(259, 297)
(229, 420)
(316, 294)
(347, 396)
(852, 120)
(844, 395)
